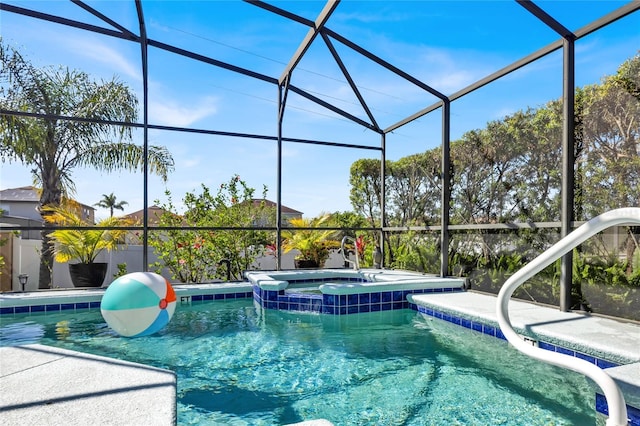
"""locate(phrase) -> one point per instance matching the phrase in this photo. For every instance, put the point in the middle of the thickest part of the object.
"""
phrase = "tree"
(193, 255)
(365, 188)
(611, 156)
(313, 244)
(84, 244)
(628, 77)
(510, 171)
(413, 190)
(365, 194)
(109, 202)
(55, 146)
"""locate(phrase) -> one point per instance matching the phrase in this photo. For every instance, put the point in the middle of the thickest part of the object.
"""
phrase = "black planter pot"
(88, 274)
(305, 263)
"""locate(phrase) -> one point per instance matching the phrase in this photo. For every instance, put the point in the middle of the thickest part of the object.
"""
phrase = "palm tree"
(54, 146)
(314, 244)
(109, 202)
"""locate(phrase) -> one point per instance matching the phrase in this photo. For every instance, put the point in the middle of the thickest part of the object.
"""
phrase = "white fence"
(26, 260)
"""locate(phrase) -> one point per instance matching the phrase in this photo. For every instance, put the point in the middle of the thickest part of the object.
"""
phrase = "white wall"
(28, 210)
(26, 258)
(269, 262)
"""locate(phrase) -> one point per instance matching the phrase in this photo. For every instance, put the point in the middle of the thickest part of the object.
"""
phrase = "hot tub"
(342, 291)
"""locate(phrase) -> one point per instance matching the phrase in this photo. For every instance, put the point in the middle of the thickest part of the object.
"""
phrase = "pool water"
(238, 365)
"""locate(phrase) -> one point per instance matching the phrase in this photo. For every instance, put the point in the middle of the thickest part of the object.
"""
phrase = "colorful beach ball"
(138, 304)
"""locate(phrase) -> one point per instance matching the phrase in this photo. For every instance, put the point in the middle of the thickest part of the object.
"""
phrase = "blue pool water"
(241, 366)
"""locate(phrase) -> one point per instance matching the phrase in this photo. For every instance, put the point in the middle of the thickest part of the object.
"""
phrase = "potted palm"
(83, 245)
(313, 245)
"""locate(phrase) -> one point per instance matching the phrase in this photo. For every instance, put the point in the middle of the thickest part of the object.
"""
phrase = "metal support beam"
(65, 21)
(568, 143)
(186, 129)
(105, 18)
(282, 12)
(546, 18)
(582, 32)
(397, 71)
(211, 61)
(352, 83)
(383, 191)
(333, 108)
(446, 187)
(568, 171)
(322, 19)
(283, 90)
(144, 47)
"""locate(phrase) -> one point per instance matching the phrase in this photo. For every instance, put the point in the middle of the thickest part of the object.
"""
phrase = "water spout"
(356, 263)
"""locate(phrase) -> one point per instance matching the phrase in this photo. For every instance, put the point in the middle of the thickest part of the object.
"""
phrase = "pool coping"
(32, 302)
(605, 338)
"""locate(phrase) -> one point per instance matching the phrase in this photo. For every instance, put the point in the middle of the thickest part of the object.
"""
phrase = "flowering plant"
(198, 241)
(361, 245)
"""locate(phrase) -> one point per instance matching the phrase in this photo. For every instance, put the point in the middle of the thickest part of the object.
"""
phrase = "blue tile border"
(328, 279)
(7, 311)
(76, 306)
(633, 413)
(22, 309)
(52, 308)
(334, 304)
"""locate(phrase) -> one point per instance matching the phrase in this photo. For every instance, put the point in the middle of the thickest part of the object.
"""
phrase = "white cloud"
(172, 113)
(101, 53)
(191, 162)
(290, 152)
(503, 112)
(107, 55)
(368, 17)
(89, 52)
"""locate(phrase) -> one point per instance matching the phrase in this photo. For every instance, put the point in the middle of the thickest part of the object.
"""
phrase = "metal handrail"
(343, 249)
(612, 393)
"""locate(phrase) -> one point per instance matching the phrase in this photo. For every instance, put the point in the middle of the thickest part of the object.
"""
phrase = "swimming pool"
(237, 364)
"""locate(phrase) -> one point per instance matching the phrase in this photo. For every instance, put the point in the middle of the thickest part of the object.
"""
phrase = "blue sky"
(447, 45)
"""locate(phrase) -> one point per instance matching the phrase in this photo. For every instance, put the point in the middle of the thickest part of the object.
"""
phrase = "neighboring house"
(287, 212)
(153, 215)
(153, 218)
(20, 207)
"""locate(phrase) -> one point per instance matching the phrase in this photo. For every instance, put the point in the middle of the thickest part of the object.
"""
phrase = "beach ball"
(138, 304)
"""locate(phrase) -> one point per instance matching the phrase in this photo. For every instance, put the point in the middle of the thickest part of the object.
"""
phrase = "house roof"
(27, 194)
(270, 203)
(153, 212)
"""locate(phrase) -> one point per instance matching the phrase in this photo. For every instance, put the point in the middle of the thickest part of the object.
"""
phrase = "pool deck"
(42, 385)
(45, 385)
